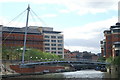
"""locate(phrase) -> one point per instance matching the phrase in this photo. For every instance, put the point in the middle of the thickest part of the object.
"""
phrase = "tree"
(10, 53)
(101, 59)
(116, 61)
(15, 53)
(110, 59)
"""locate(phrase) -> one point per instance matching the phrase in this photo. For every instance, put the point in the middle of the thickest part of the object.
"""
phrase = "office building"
(53, 41)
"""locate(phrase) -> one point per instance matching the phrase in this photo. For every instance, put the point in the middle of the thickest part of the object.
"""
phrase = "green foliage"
(101, 59)
(114, 61)
(10, 53)
(109, 60)
(117, 61)
(15, 53)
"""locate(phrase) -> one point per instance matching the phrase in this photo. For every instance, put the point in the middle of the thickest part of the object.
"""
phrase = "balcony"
(116, 45)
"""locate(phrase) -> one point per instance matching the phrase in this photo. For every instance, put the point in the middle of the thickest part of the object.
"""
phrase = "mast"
(26, 28)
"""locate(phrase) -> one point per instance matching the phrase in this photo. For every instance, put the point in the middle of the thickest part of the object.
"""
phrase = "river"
(76, 74)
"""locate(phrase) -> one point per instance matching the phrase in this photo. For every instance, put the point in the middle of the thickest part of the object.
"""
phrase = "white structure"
(53, 41)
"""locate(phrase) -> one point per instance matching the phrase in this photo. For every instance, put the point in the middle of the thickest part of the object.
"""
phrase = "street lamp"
(41, 59)
(31, 58)
(36, 58)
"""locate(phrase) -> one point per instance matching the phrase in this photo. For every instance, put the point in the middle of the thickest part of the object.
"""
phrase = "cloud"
(87, 37)
(48, 15)
(64, 11)
(81, 7)
(89, 30)
(90, 6)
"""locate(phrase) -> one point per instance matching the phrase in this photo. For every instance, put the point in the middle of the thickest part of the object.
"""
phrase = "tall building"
(110, 46)
(53, 41)
(43, 38)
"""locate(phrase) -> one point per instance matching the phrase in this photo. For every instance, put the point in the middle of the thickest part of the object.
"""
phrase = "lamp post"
(30, 58)
(41, 60)
(36, 58)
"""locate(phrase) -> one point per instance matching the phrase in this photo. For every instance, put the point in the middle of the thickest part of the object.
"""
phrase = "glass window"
(47, 44)
(53, 44)
(47, 40)
(59, 40)
(53, 40)
(116, 30)
(59, 48)
(53, 36)
(53, 48)
(118, 45)
(60, 37)
(59, 52)
(47, 36)
(59, 44)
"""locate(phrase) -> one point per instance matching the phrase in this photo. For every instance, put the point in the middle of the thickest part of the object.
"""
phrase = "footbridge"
(73, 64)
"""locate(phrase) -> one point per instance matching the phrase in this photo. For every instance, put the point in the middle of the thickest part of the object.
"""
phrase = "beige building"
(53, 41)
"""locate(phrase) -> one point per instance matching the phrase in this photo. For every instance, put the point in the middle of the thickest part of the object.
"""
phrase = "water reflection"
(76, 74)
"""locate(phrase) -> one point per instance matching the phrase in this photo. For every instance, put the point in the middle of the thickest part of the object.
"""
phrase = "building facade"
(110, 46)
(53, 41)
(42, 38)
(14, 37)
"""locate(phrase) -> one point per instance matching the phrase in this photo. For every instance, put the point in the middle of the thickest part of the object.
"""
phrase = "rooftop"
(30, 30)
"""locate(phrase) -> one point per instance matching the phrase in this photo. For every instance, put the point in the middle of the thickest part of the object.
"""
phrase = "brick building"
(14, 37)
(110, 46)
(42, 38)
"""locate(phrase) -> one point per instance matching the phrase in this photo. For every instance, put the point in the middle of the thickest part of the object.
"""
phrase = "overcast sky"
(81, 21)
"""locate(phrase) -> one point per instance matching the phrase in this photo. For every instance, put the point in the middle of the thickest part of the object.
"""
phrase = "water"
(76, 74)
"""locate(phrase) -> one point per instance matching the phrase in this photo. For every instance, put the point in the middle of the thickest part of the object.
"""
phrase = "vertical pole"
(24, 47)
(119, 11)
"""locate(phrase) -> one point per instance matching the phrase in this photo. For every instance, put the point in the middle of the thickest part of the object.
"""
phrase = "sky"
(81, 21)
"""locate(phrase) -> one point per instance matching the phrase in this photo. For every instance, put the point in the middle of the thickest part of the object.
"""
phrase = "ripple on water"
(84, 74)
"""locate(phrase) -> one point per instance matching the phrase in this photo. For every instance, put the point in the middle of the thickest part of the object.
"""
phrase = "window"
(53, 44)
(117, 45)
(109, 37)
(60, 37)
(59, 48)
(53, 40)
(47, 44)
(116, 30)
(59, 52)
(60, 41)
(53, 36)
(53, 48)
(47, 40)
(59, 44)
(47, 36)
